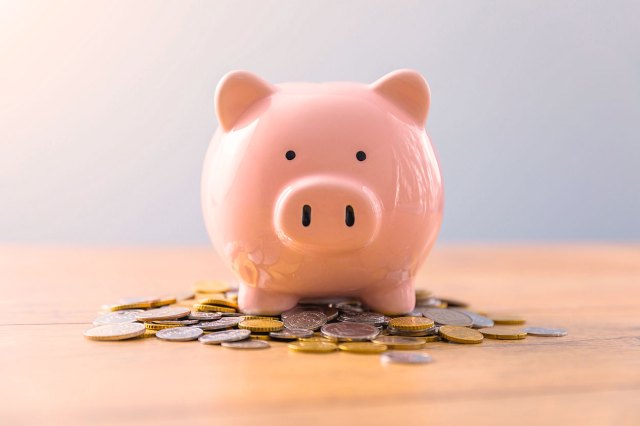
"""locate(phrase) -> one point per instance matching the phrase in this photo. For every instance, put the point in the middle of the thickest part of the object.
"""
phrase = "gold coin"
(503, 333)
(260, 337)
(156, 327)
(455, 333)
(261, 325)
(317, 339)
(411, 323)
(212, 308)
(362, 347)
(434, 338)
(401, 342)
(164, 301)
(148, 333)
(219, 301)
(250, 317)
(507, 319)
(313, 346)
(422, 293)
(211, 286)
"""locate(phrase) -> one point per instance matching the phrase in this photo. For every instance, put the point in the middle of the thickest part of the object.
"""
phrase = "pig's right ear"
(236, 92)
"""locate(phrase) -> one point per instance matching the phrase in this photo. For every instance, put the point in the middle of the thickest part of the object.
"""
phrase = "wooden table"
(52, 375)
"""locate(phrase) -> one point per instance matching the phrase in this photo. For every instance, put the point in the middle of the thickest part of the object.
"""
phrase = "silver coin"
(545, 332)
(247, 344)
(443, 316)
(166, 313)
(224, 336)
(205, 316)
(429, 302)
(179, 334)
(429, 332)
(118, 317)
(288, 334)
(177, 322)
(405, 357)
(350, 331)
(479, 321)
(305, 320)
(115, 331)
(353, 306)
(221, 324)
(364, 317)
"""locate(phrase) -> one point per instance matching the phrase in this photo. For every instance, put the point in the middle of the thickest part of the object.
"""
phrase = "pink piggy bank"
(322, 190)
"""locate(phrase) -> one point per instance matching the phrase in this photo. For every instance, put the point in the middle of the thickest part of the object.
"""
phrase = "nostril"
(349, 216)
(306, 215)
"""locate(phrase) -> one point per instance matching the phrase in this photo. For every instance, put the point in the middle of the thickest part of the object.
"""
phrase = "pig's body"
(327, 221)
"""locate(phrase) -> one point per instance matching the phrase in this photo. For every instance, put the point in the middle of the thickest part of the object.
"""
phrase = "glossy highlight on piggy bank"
(314, 190)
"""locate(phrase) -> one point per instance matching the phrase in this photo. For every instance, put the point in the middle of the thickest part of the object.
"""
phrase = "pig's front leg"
(390, 299)
(256, 301)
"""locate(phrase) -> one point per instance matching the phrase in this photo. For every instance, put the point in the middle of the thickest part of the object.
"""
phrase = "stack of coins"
(210, 315)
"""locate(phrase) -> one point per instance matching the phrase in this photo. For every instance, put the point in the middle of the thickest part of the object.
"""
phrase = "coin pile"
(210, 315)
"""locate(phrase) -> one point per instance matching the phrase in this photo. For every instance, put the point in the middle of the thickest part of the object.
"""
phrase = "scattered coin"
(362, 347)
(115, 331)
(177, 322)
(205, 316)
(305, 320)
(363, 317)
(179, 334)
(247, 344)
(505, 319)
(350, 331)
(545, 332)
(411, 323)
(313, 346)
(401, 342)
(261, 325)
(221, 324)
(503, 333)
(447, 317)
(156, 327)
(401, 357)
(200, 307)
(166, 313)
(478, 321)
(218, 301)
(455, 333)
(117, 317)
(224, 336)
(290, 334)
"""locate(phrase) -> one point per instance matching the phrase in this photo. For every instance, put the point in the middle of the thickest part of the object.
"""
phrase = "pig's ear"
(408, 90)
(236, 92)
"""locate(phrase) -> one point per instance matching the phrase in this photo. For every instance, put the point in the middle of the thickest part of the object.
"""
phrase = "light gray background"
(106, 108)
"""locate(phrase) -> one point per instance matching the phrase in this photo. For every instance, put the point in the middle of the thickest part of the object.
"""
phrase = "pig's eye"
(361, 156)
(290, 155)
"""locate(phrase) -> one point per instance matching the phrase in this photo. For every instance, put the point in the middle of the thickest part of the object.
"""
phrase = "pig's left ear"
(236, 92)
(408, 90)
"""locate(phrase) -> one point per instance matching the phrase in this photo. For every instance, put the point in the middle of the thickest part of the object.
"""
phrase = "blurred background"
(106, 108)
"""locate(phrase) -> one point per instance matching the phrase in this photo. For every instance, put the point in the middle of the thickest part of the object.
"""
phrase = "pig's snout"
(327, 214)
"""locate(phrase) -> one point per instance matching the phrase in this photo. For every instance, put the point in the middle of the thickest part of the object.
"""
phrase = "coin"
(506, 319)
(447, 316)
(401, 357)
(211, 287)
(156, 327)
(318, 339)
(364, 317)
(305, 320)
(478, 321)
(115, 331)
(545, 332)
(166, 313)
(177, 322)
(224, 336)
(411, 323)
(313, 346)
(212, 308)
(247, 344)
(503, 333)
(401, 342)
(205, 316)
(350, 331)
(455, 333)
(222, 323)
(350, 306)
(117, 317)
(428, 332)
(290, 334)
(261, 325)
(362, 347)
(164, 301)
(179, 334)
(218, 301)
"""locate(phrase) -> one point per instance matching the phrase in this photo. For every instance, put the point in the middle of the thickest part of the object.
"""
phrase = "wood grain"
(52, 375)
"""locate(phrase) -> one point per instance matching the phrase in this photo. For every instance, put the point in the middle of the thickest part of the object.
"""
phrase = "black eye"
(290, 155)
(361, 156)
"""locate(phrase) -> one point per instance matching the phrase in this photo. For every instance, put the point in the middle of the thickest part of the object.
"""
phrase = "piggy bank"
(314, 190)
